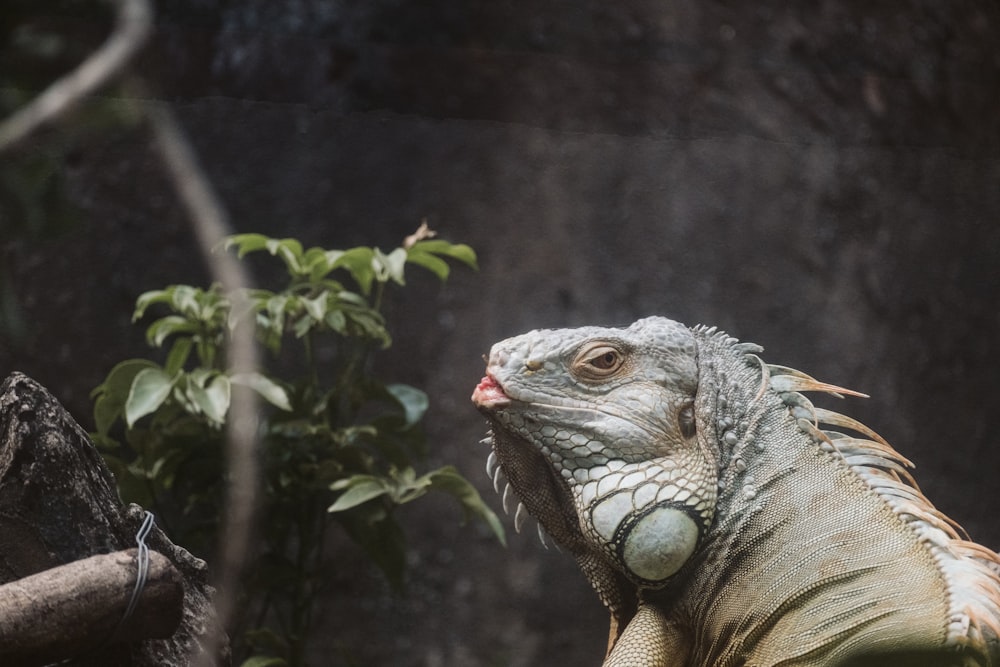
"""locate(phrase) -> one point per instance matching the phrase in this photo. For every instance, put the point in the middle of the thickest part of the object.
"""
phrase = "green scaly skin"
(719, 523)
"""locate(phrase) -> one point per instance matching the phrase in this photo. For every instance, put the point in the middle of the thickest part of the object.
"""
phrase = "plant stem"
(379, 292)
(302, 599)
(307, 345)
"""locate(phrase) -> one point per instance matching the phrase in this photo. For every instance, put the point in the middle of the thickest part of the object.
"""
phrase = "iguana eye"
(598, 361)
(606, 361)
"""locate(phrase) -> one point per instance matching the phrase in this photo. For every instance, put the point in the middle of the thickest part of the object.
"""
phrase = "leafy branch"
(339, 445)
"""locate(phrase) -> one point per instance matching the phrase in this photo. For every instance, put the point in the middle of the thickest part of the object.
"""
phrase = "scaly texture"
(723, 519)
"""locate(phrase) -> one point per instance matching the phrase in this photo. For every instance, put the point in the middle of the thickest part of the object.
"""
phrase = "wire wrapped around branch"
(72, 609)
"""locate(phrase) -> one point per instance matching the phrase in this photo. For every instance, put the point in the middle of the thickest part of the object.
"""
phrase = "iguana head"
(598, 433)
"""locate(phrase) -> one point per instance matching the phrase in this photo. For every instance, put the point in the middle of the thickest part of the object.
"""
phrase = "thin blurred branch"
(133, 24)
(209, 219)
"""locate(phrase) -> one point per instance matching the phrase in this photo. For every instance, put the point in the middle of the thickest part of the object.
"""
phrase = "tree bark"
(58, 505)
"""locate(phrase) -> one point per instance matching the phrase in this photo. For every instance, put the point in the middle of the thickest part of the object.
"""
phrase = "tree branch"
(72, 609)
(132, 26)
(209, 220)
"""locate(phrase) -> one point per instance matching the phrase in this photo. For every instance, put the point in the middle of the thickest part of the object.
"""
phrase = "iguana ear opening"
(686, 420)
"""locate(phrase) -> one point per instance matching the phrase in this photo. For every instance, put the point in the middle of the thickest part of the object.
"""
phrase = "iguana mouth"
(489, 394)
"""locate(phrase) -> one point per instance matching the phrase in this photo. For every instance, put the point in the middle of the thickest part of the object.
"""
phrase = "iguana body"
(717, 520)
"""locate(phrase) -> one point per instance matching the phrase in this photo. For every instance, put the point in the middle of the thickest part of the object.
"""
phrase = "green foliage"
(339, 445)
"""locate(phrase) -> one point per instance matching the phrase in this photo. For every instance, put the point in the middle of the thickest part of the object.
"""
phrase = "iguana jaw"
(547, 497)
(538, 487)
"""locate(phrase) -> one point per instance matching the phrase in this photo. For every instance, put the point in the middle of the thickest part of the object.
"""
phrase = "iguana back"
(723, 519)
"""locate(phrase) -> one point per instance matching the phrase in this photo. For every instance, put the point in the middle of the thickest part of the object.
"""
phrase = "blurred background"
(824, 181)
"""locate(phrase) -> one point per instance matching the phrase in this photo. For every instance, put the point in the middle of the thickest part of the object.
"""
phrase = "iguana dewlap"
(720, 516)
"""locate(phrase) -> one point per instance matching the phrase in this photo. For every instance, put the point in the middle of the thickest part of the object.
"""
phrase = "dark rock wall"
(821, 181)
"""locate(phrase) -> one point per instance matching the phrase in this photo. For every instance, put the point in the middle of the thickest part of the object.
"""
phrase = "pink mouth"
(489, 394)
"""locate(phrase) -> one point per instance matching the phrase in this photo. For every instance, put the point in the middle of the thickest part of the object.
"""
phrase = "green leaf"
(106, 410)
(264, 638)
(360, 489)
(246, 243)
(133, 488)
(456, 251)
(275, 309)
(448, 480)
(179, 353)
(413, 401)
(290, 252)
(268, 389)
(303, 325)
(354, 299)
(149, 389)
(112, 393)
(317, 263)
(166, 326)
(317, 306)
(264, 661)
(214, 399)
(184, 299)
(146, 299)
(409, 487)
(357, 261)
(434, 264)
(291, 246)
(335, 320)
(363, 321)
(200, 376)
(389, 267)
(119, 379)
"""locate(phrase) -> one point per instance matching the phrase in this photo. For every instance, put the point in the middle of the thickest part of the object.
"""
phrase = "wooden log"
(59, 504)
(77, 608)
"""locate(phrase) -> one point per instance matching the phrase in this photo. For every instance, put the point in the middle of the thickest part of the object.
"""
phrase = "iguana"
(722, 518)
